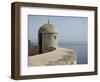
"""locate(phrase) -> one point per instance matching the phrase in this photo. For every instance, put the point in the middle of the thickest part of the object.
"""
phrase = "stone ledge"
(60, 56)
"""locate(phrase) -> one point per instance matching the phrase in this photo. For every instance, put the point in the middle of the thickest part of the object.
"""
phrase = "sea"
(81, 49)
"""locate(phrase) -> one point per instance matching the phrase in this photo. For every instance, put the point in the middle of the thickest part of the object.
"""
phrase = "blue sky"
(71, 29)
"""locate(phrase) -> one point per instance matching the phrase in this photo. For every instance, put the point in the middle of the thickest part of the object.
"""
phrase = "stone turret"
(47, 37)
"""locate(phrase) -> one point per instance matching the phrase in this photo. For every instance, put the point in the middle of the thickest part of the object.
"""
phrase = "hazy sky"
(69, 28)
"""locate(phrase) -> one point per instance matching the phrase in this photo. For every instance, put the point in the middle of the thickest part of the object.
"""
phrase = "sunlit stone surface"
(59, 56)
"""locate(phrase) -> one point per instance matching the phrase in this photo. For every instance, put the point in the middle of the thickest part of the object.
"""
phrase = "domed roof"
(47, 28)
